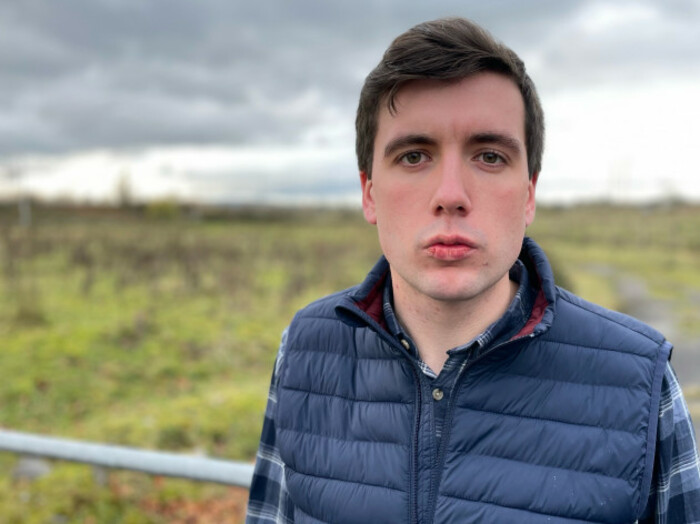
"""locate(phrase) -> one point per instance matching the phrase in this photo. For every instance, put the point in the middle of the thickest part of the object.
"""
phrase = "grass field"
(159, 330)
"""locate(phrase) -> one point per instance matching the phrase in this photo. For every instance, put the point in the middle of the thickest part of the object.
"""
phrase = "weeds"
(161, 332)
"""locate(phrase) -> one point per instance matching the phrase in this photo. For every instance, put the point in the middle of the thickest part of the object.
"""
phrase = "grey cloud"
(666, 45)
(82, 74)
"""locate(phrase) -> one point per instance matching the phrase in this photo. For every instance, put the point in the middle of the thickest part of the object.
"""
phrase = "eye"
(412, 158)
(491, 157)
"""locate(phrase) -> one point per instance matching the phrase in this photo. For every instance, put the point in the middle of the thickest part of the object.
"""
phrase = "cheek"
(397, 220)
(397, 206)
(509, 208)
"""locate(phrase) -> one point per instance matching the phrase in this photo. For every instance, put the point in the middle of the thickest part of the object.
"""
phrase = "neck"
(436, 326)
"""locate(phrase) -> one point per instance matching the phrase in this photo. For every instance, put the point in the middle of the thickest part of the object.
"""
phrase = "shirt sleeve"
(269, 500)
(675, 490)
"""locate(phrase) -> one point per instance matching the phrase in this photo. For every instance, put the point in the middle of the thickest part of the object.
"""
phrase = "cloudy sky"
(240, 101)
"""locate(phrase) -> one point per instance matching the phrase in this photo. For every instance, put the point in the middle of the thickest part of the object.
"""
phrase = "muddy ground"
(659, 313)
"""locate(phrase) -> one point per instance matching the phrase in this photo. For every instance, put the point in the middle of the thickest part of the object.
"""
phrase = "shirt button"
(438, 394)
(405, 343)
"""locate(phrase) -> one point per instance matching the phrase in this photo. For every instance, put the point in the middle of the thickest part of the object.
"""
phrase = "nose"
(450, 195)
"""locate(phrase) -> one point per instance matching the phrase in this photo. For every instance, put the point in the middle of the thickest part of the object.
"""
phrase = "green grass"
(162, 333)
(156, 334)
(659, 246)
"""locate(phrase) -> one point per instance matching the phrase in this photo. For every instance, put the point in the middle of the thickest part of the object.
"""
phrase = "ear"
(368, 206)
(530, 204)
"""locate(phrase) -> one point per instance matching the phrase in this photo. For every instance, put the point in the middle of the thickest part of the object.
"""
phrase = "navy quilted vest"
(557, 425)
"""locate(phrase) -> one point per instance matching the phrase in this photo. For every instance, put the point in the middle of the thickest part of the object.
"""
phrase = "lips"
(450, 247)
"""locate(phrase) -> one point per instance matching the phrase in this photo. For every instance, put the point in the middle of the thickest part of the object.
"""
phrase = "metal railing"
(120, 457)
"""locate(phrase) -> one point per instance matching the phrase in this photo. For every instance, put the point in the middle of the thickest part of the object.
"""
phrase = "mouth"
(450, 248)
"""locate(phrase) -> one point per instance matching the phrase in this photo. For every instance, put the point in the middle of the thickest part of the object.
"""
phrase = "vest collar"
(365, 302)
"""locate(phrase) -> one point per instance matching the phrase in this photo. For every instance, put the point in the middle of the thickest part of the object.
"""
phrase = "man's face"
(449, 192)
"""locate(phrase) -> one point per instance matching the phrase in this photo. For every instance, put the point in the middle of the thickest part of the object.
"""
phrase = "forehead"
(481, 102)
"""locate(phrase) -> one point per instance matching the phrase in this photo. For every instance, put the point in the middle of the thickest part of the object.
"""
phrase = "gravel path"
(659, 314)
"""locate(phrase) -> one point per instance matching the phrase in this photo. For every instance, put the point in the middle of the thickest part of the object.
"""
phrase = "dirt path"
(685, 359)
(659, 314)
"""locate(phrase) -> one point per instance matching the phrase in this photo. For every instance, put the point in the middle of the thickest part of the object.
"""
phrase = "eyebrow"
(496, 138)
(406, 141)
(501, 139)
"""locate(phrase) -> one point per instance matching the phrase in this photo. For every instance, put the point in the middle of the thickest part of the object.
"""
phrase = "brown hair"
(444, 49)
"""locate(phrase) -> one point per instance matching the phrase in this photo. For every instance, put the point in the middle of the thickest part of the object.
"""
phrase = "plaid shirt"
(675, 490)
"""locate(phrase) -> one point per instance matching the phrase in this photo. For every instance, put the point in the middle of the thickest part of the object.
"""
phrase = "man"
(458, 383)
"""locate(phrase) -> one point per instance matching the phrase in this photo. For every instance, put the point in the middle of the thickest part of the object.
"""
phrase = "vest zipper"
(447, 423)
(416, 430)
(413, 494)
(413, 489)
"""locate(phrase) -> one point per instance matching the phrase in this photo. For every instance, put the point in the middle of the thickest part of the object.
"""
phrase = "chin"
(452, 293)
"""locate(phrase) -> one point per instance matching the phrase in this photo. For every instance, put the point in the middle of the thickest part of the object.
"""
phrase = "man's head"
(447, 49)
(449, 146)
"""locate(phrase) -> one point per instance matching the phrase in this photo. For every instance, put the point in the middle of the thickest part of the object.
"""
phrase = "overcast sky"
(225, 100)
